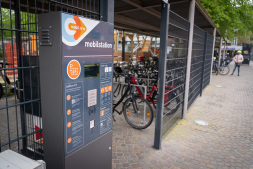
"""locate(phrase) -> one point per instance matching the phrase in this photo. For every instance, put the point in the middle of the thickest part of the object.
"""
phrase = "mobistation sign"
(96, 44)
(76, 90)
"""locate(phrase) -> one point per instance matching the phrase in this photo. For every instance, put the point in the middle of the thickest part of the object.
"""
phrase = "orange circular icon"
(73, 69)
(69, 112)
(68, 97)
(69, 140)
(69, 124)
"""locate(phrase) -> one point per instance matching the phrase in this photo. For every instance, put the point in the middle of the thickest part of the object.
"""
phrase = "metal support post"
(161, 75)
(148, 82)
(132, 45)
(117, 41)
(145, 96)
(19, 58)
(214, 38)
(123, 45)
(203, 65)
(155, 46)
(224, 49)
(107, 10)
(221, 41)
(188, 70)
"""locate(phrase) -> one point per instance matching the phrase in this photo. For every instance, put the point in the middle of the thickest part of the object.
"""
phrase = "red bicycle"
(171, 98)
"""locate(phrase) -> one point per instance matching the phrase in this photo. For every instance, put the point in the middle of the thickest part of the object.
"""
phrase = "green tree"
(7, 22)
(29, 26)
(28, 22)
(234, 18)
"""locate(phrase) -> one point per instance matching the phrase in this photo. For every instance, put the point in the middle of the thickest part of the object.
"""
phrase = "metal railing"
(201, 63)
(208, 60)
(20, 111)
(177, 51)
(198, 52)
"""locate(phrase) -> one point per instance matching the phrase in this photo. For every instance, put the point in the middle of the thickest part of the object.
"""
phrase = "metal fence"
(172, 69)
(198, 52)
(202, 49)
(177, 51)
(208, 60)
(20, 111)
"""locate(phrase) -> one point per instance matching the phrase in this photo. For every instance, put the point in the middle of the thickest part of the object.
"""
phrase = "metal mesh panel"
(198, 49)
(177, 51)
(20, 112)
(208, 60)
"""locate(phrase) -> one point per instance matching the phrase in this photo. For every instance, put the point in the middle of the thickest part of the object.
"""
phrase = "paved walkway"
(227, 142)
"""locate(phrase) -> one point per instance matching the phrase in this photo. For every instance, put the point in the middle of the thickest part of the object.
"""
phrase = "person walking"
(238, 59)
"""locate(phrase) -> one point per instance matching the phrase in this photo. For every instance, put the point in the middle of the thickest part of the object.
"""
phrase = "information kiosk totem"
(76, 91)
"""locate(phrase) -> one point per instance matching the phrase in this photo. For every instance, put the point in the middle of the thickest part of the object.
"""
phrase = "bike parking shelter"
(173, 21)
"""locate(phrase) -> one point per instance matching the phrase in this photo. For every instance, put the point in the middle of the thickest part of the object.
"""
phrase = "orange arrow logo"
(79, 27)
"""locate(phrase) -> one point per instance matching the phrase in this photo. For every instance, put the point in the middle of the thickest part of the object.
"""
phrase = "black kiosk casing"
(246, 52)
(76, 55)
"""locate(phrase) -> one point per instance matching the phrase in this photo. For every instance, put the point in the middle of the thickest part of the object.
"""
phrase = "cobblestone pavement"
(11, 121)
(227, 142)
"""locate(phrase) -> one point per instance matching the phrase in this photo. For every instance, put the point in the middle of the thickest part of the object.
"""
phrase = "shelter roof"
(143, 16)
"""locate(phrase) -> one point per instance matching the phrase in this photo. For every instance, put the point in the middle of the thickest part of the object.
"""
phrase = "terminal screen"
(91, 71)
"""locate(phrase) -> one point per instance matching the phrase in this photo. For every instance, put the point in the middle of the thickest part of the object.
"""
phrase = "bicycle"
(171, 99)
(223, 69)
(227, 61)
(137, 111)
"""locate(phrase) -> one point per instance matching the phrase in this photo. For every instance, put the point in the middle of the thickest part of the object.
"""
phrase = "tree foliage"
(28, 23)
(234, 18)
(7, 22)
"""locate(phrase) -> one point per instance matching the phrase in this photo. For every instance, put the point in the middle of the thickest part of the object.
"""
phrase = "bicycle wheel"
(171, 103)
(224, 70)
(143, 117)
